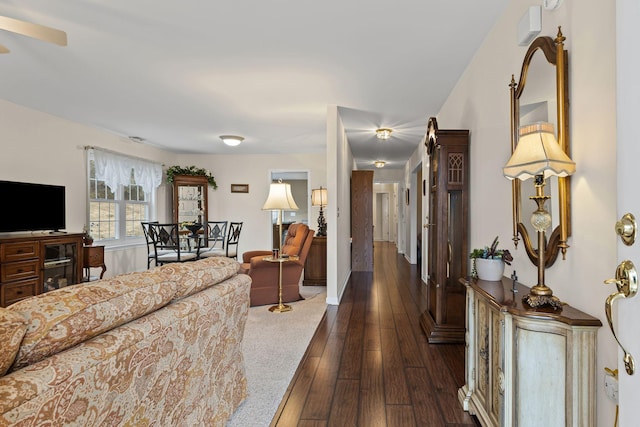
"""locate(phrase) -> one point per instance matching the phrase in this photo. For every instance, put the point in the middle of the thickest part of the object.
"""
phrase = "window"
(118, 201)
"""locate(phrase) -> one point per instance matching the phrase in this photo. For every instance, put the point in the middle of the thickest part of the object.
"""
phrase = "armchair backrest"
(306, 245)
(296, 236)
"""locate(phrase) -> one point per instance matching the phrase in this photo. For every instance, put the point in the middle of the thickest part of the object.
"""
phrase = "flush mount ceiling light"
(383, 133)
(379, 163)
(231, 140)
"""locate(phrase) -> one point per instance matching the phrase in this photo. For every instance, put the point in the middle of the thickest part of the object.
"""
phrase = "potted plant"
(488, 263)
(87, 238)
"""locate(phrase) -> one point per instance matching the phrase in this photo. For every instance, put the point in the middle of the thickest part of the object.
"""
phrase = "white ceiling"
(181, 73)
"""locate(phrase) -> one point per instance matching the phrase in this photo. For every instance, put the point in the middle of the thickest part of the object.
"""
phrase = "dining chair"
(168, 245)
(215, 237)
(230, 249)
(151, 253)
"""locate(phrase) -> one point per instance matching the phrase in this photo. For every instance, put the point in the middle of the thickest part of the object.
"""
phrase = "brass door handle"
(627, 229)
(627, 283)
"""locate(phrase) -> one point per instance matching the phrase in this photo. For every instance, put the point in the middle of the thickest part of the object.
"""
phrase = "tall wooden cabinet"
(190, 200)
(31, 264)
(526, 367)
(362, 220)
(447, 228)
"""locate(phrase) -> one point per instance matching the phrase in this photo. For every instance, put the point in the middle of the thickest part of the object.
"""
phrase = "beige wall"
(480, 102)
(38, 147)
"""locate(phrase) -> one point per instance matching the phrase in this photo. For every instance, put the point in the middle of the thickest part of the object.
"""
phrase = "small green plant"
(172, 171)
(492, 252)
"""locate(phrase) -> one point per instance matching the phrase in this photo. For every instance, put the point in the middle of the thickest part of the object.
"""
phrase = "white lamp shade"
(319, 197)
(280, 198)
(538, 153)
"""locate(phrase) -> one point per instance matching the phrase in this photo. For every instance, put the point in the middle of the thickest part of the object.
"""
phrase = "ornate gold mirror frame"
(555, 54)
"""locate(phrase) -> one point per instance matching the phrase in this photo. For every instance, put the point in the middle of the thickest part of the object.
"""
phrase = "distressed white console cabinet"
(527, 367)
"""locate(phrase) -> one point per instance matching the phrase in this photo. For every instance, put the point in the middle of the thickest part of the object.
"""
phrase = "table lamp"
(319, 198)
(539, 156)
(280, 199)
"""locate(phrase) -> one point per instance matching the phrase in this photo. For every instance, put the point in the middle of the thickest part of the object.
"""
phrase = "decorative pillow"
(192, 277)
(12, 328)
(60, 319)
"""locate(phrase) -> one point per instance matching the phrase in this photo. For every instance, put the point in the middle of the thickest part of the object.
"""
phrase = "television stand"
(33, 264)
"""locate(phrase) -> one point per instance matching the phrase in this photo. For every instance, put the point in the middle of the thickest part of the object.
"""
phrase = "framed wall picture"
(239, 188)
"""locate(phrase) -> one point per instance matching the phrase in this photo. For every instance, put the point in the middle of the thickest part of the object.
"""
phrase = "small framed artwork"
(239, 188)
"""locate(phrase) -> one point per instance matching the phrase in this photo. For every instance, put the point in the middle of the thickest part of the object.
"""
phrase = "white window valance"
(115, 170)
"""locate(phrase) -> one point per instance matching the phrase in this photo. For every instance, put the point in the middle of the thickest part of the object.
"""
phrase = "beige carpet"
(273, 346)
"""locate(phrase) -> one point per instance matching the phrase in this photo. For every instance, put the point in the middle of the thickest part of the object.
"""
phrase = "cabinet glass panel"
(190, 203)
(60, 265)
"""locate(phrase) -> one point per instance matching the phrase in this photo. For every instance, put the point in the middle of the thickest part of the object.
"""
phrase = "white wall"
(339, 166)
(254, 170)
(480, 103)
(42, 148)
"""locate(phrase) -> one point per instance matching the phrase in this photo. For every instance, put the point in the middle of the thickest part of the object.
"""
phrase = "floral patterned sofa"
(161, 347)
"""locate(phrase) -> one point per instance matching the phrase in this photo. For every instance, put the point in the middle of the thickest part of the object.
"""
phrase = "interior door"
(628, 153)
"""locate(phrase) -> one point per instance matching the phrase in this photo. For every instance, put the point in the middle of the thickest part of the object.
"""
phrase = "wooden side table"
(315, 266)
(93, 257)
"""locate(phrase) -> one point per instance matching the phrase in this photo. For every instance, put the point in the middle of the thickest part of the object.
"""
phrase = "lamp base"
(536, 301)
(322, 225)
(280, 308)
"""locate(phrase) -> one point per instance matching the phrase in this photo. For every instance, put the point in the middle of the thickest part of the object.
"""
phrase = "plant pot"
(489, 269)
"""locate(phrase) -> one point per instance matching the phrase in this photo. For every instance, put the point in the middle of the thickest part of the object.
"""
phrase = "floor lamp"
(279, 199)
(319, 198)
(539, 156)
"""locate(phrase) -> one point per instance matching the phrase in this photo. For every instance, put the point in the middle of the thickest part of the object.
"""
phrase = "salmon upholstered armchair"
(264, 274)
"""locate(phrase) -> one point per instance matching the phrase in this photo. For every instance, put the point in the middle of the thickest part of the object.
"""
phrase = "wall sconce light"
(539, 156)
(383, 133)
(379, 163)
(319, 198)
(231, 140)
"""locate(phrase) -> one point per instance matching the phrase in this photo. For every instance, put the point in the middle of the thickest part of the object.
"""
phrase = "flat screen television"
(31, 207)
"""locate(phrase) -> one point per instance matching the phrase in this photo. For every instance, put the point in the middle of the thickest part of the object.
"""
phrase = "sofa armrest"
(246, 257)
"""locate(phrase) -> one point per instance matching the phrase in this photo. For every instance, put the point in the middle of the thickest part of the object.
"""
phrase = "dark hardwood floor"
(369, 363)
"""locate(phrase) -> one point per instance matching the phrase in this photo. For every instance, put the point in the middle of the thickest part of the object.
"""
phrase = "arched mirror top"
(544, 44)
(538, 96)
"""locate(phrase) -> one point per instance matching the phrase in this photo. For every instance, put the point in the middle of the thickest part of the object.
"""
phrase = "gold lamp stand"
(280, 308)
(541, 295)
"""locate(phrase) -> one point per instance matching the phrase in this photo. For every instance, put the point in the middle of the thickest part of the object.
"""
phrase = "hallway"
(369, 363)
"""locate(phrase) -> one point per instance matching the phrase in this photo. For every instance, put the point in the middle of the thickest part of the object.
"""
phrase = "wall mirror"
(541, 94)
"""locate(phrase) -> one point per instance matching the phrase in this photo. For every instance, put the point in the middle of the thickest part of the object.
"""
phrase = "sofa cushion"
(192, 277)
(60, 319)
(12, 328)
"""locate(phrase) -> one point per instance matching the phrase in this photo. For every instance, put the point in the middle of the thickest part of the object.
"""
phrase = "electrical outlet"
(611, 387)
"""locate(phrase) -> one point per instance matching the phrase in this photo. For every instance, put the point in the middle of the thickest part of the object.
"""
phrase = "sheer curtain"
(115, 169)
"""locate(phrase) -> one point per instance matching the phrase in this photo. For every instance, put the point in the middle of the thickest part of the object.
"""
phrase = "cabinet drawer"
(14, 292)
(93, 256)
(19, 270)
(19, 251)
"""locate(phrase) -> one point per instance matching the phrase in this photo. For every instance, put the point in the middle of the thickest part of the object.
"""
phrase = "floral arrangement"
(492, 252)
(190, 171)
